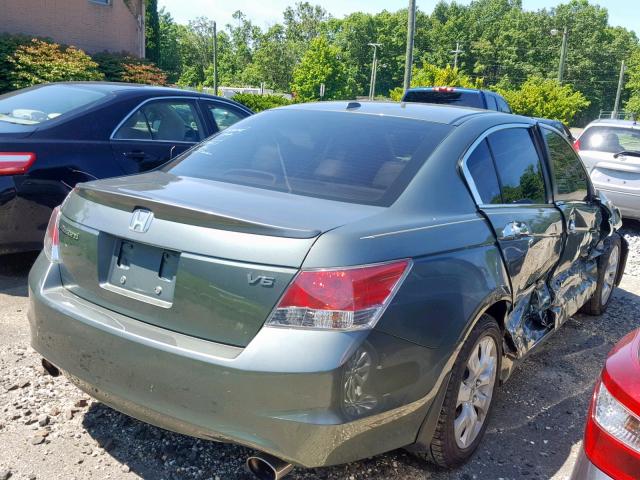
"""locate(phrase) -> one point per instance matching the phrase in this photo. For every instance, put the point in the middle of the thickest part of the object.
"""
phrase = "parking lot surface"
(49, 429)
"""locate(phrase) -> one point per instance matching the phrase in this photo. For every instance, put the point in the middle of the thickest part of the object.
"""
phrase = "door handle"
(515, 230)
(135, 155)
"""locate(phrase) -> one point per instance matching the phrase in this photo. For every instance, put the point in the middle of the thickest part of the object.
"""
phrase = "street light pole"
(563, 51)
(616, 107)
(374, 68)
(411, 32)
(215, 59)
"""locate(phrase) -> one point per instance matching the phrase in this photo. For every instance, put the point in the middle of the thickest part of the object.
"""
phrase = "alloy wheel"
(609, 280)
(476, 391)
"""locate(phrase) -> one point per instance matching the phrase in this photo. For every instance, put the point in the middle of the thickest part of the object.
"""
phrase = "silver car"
(610, 149)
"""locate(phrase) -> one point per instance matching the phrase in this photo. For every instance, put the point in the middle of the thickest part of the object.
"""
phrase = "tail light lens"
(576, 145)
(339, 299)
(52, 237)
(16, 163)
(612, 436)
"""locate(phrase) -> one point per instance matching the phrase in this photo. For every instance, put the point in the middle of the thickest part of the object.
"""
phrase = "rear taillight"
(612, 436)
(576, 145)
(52, 237)
(16, 163)
(339, 299)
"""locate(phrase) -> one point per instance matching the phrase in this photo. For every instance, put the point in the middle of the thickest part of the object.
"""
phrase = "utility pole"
(616, 107)
(411, 33)
(456, 52)
(374, 70)
(215, 59)
(563, 51)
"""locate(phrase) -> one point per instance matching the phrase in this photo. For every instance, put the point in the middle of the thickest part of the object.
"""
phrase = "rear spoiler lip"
(193, 216)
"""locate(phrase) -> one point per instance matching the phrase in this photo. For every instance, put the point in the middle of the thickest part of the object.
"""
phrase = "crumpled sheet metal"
(541, 309)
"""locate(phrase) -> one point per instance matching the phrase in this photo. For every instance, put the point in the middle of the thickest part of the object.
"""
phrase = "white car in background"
(610, 150)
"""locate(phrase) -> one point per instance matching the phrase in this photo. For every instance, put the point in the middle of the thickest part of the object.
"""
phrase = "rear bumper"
(22, 221)
(585, 470)
(283, 393)
(628, 203)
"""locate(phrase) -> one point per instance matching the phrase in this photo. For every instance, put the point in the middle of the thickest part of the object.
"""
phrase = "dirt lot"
(49, 429)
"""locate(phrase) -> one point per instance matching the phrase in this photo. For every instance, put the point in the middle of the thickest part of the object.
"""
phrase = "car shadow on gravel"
(14, 270)
(537, 422)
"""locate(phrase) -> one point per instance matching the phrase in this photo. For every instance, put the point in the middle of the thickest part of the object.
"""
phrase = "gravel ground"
(49, 429)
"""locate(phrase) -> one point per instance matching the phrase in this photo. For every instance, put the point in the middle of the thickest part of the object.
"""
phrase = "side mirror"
(614, 218)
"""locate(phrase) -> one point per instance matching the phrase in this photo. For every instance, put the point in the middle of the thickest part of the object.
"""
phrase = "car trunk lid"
(199, 257)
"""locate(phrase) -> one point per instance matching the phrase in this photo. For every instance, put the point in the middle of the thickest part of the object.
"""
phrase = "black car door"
(509, 183)
(574, 197)
(157, 131)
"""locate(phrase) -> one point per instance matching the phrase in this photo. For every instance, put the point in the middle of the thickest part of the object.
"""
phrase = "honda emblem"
(140, 220)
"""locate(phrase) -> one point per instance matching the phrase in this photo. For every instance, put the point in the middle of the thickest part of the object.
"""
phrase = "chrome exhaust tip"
(267, 467)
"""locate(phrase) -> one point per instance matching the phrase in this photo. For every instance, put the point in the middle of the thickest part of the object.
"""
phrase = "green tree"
(633, 83)
(42, 62)
(170, 60)
(152, 31)
(322, 63)
(539, 97)
(273, 61)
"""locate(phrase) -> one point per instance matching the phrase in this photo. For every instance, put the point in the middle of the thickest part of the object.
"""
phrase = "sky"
(267, 12)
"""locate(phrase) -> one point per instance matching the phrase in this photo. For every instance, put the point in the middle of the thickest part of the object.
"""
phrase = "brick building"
(92, 25)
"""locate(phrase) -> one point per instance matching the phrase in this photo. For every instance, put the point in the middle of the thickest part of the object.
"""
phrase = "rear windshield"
(462, 99)
(610, 139)
(30, 107)
(348, 157)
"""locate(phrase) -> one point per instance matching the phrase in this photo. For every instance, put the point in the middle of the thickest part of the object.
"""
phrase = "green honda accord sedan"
(326, 282)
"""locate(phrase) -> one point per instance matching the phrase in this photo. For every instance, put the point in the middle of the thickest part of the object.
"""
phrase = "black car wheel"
(469, 397)
(608, 266)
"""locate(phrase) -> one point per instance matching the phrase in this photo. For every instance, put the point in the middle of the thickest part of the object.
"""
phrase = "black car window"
(163, 120)
(491, 101)
(43, 103)
(570, 177)
(503, 106)
(448, 97)
(518, 165)
(224, 116)
(342, 156)
(483, 173)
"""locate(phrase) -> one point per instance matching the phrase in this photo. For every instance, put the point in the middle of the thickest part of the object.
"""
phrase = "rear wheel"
(608, 265)
(469, 397)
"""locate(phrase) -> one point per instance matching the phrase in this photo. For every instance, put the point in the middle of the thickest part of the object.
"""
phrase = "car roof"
(118, 88)
(613, 122)
(445, 114)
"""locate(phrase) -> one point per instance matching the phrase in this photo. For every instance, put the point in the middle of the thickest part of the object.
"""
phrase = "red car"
(612, 437)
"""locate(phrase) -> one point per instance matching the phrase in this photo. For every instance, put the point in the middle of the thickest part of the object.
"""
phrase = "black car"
(56, 135)
(461, 97)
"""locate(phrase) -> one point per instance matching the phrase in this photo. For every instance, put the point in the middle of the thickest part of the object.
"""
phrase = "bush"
(431, 76)
(8, 46)
(41, 62)
(546, 98)
(258, 103)
(125, 68)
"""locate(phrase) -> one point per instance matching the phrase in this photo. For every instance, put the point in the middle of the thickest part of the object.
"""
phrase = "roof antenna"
(352, 105)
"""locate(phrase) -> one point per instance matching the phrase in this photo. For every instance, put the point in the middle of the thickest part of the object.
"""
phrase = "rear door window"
(349, 157)
(223, 115)
(610, 139)
(503, 106)
(518, 165)
(163, 120)
(491, 102)
(482, 171)
(570, 177)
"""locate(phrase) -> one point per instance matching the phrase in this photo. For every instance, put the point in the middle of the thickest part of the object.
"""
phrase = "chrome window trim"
(156, 99)
(469, 179)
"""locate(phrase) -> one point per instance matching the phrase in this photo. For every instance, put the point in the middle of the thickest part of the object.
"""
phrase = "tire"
(608, 265)
(449, 448)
